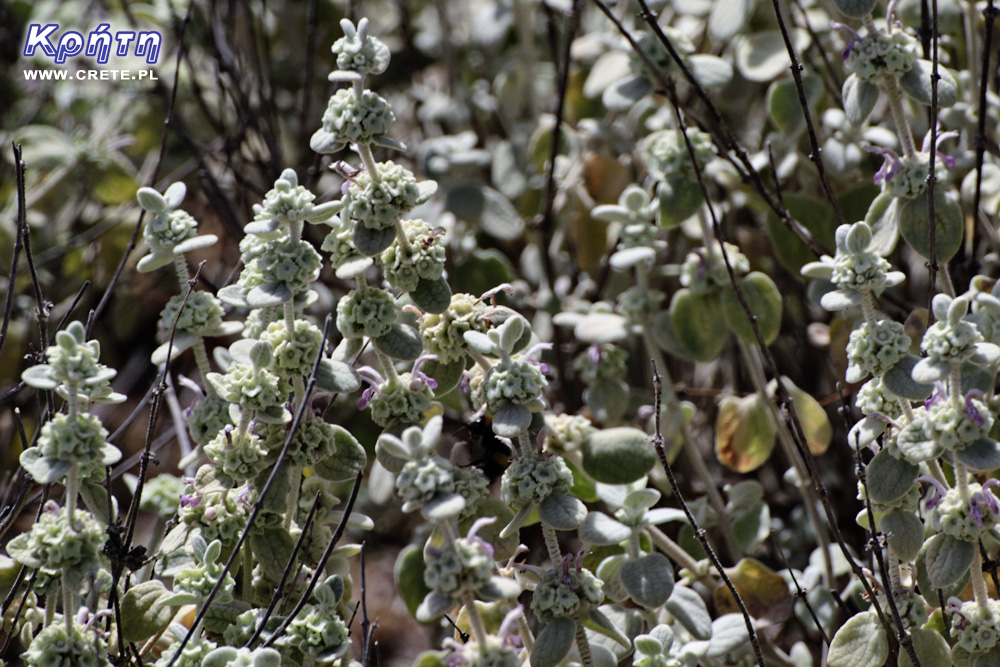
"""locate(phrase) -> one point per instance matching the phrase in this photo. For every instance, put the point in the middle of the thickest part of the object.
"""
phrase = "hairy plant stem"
(955, 385)
(67, 602)
(633, 549)
(979, 592)
(937, 473)
(204, 366)
(552, 544)
(480, 359)
(50, 610)
(962, 481)
(524, 632)
(890, 86)
(809, 495)
(475, 620)
(72, 491)
(868, 308)
(181, 268)
(246, 416)
(368, 158)
(907, 409)
(582, 645)
(524, 442)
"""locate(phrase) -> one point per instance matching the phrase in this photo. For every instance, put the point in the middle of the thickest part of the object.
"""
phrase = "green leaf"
(914, 224)
(562, 512)
(649, 580)
(272, 548)
(947, 559)
(348, 460)
(432, 296)
(143, 613)
(447, 376)
(511, 420)
(899, 380)
(403, 342)
(698, 325)
(617, 455)
(761, 56)
(483, 206)
(860, 642)
(728, 19)
(600, 529)
(815, 422)
(708, 70)
(815, 215)
(680, 197)
(982, 455)
(859, 98)
(371, 242)
(553, 643)
(729, 632)
(889, 479)
(784, 106)
(752, 526)
(916, 83)
(764, 299)
(932, 649)
(906, 533)
(883, 220)
(337, 377)
(151, 200)
(409, 576)
(744, 433)
(689, 609)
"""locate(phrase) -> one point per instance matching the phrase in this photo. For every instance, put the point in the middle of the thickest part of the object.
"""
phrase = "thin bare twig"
(341, 527)
(817, 153)
(152, 181)
(699, 532)
(286, 573)
(259, 505)
(729, 139)
(800, 592)
(989, 14)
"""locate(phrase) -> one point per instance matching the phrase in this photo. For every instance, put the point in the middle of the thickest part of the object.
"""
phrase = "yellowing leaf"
(744, 433)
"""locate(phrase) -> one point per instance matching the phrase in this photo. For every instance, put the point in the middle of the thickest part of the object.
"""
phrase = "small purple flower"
(852, 38)
(567, 563)
(948, 160)
(939, 394)
(971, 411)
(532, 355)
(976, 509)
(954, 607)
(472, 537)
(375, 382)
(988, 498)
(939, 491)
(190, 500)
(891, 164)
(243, 497)
(419, 378)
(594, 351)
(464, 383)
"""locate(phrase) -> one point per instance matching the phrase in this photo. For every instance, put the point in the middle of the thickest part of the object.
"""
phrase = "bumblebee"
(482, 449)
